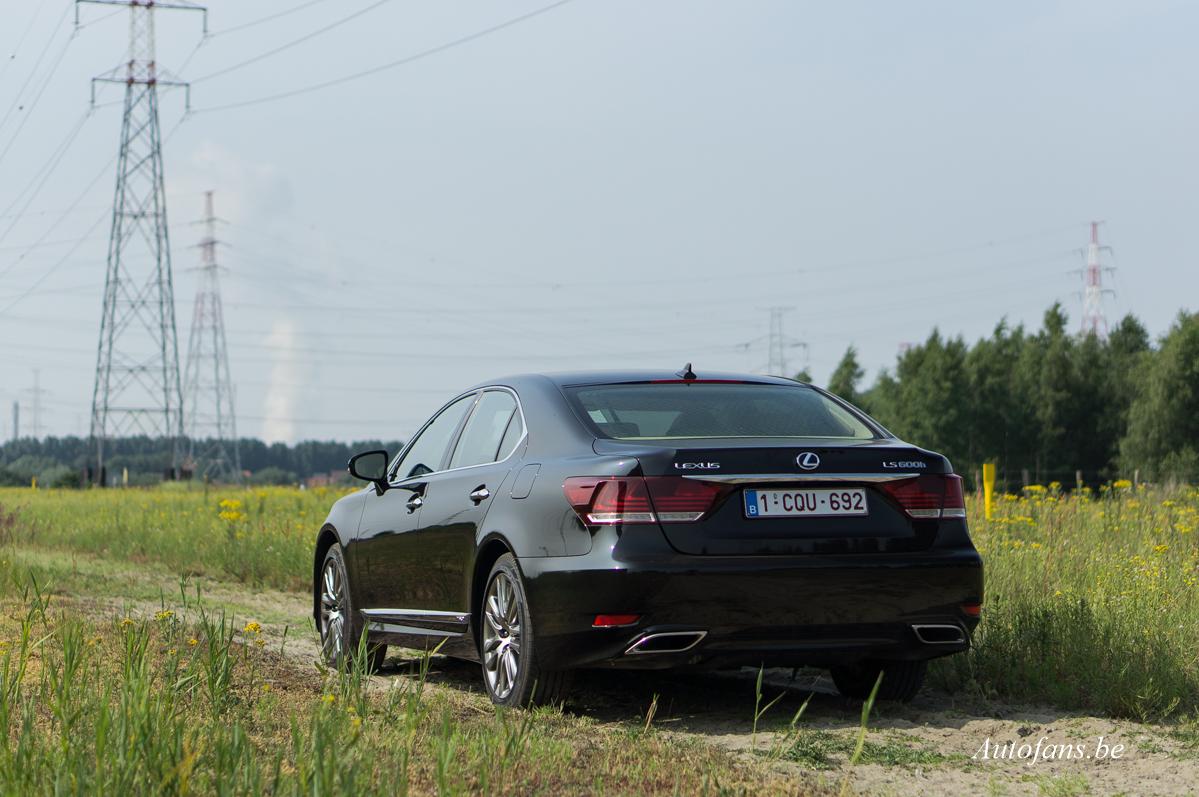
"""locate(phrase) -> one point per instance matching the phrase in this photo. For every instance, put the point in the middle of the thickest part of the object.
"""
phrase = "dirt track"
(925, 747)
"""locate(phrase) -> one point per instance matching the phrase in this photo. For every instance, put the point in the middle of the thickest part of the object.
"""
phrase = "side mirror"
(370, 466)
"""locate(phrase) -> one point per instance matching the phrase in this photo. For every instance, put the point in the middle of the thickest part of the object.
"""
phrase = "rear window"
(680, 410)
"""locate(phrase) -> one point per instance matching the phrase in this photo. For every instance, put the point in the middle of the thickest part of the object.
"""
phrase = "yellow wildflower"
(165, 614)
(252, 628)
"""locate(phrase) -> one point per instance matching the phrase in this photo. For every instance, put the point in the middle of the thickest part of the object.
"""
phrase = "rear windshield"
(678, 410)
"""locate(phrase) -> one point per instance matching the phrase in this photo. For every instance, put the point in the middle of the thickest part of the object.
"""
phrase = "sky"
(609, 183)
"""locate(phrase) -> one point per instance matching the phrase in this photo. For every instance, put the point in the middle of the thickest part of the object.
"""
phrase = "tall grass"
(262, 537)
(1092, 601)
(189, 702)
(1092, 598)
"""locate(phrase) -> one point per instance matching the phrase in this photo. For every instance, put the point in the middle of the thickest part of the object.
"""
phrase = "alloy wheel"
(332, 610)
(501, 635)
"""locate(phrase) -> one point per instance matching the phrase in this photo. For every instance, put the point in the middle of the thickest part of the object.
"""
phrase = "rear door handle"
(480, 494)
(415, 503)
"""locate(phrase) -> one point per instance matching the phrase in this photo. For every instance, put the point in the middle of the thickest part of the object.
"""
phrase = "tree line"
(1045, 405)
(62, 461)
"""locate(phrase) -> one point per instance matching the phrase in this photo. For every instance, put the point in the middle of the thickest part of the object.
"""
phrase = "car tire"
(512, 670)
(339, 624)
(902, 681)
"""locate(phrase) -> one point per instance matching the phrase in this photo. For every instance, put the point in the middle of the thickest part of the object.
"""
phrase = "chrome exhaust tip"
(665, 642)
(939, 634)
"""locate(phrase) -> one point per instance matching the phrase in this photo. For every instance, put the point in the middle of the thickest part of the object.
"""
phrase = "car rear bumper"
(731, 611)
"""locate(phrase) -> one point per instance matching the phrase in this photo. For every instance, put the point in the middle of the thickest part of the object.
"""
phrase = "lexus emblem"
(808, 461)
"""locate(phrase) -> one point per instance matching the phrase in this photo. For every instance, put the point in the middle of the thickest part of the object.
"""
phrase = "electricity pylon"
(137, 387)
(1094, 322)
(207, 388)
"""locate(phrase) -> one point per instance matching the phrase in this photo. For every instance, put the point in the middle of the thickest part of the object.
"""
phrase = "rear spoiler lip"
(760, 478)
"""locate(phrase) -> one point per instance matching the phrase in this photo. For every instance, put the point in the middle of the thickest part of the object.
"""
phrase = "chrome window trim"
(478, 392)
(748, 478)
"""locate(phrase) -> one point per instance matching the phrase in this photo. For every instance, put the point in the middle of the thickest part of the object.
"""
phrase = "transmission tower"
(208, 389)
(35, 399)
(137, 387)
(1094, 322)
(778, 343)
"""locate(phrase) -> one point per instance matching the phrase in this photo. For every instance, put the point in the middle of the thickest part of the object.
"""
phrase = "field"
(157, 640)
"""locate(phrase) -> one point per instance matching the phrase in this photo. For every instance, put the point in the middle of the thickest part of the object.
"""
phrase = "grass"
(1092, 602)
(186, 699)
(815, 748)
(261, 537)
(1092, 598)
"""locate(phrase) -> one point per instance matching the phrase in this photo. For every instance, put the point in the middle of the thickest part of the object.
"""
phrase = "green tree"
(925, 402)
(845, 378)
(1163, 422)
(1001, 409)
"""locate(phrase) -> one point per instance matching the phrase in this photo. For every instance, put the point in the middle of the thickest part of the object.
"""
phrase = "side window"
(481, 438)
(427, 453)
(516, 429)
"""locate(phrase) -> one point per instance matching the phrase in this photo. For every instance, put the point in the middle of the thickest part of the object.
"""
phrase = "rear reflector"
(614, 620)
(929, 497)
(972, 609)
(607, 500)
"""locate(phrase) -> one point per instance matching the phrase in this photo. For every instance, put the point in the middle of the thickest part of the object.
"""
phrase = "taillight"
(679, 500)
(955, 499)
(607, 500)
(929, 497)
(604, 501)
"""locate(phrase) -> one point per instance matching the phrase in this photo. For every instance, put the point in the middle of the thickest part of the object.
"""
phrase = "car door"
(456, 502)
(385, 561)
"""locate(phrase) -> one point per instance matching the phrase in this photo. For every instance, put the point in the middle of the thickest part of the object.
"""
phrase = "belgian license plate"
(804, 503)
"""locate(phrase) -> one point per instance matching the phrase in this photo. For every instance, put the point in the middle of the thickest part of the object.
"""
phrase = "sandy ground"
(931, 746)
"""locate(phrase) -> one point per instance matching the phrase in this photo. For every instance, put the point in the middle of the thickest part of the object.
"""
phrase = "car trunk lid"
(895, 494)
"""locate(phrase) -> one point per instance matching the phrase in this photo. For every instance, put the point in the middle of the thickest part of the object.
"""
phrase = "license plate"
(804, 503)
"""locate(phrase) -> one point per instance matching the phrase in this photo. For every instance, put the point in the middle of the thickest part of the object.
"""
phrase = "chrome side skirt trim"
(759, 478)
(379, 627)
(424, 620)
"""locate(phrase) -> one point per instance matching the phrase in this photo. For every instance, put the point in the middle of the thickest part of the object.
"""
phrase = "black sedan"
(546, 523)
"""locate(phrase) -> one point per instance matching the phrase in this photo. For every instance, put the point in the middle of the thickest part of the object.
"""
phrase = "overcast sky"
(611, 183)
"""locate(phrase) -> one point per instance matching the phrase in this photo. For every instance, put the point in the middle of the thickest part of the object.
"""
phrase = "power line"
(20, 92)
(46, 273)
(21, 42)
(392, 64)
(267, 18)
(70, 208)
(42, 176)
(28, 112)
(293, 43)
(59, 221)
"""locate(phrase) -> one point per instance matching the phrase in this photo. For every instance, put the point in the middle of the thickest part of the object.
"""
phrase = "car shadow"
(724, 702)
(698, 701)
